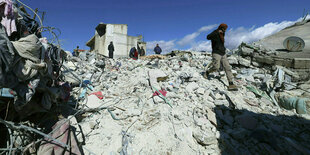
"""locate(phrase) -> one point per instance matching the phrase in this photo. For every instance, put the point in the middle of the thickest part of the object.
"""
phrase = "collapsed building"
(270, 51)
(117, 33)
(53, 103)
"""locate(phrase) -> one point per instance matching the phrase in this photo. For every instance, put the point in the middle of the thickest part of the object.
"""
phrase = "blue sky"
(174, 24)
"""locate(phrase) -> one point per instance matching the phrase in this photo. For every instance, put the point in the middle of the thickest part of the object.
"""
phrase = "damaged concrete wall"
(275, 41)
(105, 33)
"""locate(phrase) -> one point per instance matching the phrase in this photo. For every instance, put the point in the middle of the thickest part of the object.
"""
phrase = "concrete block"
(264, 59)
(284, 62)
(302, 63)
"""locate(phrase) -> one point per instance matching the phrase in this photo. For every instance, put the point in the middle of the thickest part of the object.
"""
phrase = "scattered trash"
(54, 102)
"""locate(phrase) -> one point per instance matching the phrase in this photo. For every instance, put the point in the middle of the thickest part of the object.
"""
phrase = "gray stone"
(244, 62)
(232, 60)
(93, 101)
(157, 100)
(246, 51)
(201, 91)
(192, 87)
(211, 116)
(205, 138)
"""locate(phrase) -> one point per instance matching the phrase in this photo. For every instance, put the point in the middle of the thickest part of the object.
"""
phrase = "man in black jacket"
(111, 50)
(157, 49)
(219, 55)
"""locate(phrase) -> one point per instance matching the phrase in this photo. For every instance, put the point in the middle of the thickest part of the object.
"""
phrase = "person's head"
(223, 27)
(111, 42)
(157, 45)
(77, 46)
(141, 47)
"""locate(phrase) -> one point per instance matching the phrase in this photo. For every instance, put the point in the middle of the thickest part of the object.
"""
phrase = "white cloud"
(201, 46)
(233, 38)
(166, 46)
(190, 38)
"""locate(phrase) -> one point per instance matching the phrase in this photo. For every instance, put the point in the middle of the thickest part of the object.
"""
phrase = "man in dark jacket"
(111, 50)
(219, 55)
(157, 49)
(142, 51)
(133, 53)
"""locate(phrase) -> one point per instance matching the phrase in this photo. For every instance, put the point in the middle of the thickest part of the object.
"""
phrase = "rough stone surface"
(200, 120)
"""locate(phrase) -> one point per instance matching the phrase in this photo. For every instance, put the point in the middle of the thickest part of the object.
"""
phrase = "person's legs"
(227, 68)
(228, 72)
(215, 64)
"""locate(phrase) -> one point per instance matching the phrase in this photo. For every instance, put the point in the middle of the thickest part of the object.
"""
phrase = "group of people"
(134, 53)
(219, 57)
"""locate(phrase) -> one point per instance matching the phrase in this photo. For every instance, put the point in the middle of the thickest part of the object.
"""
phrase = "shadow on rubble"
(246, 132)
(282, 50)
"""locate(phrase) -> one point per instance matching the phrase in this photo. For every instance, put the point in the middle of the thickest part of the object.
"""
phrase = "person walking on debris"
(157, 49)
(111, 50)
(219, 55)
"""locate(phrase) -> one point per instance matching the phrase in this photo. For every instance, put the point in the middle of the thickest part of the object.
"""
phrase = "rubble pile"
(54, 103)
(33, 92)
(165, 106)
(270, 51)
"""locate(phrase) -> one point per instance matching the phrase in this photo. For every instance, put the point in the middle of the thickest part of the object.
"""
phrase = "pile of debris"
(163, 105)
(32, 89)
(55, 103)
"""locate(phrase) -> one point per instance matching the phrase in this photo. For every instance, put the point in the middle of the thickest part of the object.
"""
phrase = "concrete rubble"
(204, 118)
(158, 104)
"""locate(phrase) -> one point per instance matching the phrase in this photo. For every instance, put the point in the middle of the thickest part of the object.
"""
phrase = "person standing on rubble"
(133, 53)
(142, 52)
(219, 55)
(157, 49)
(111, 50)
(76, 51)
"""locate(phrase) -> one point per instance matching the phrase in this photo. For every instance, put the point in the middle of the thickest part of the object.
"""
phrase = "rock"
(234, 72)
(244, 62)
(211, 116)
(250, 95)
(256, 64)
(158, 100)
(169, 88)
(233, 60)
(156, 75)
(250, 78)
(218, 96)
(259, 76)
(245, 51)
(92, 101)
(205, 138)
(200, 91)
(247, 121)
(192, 87)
